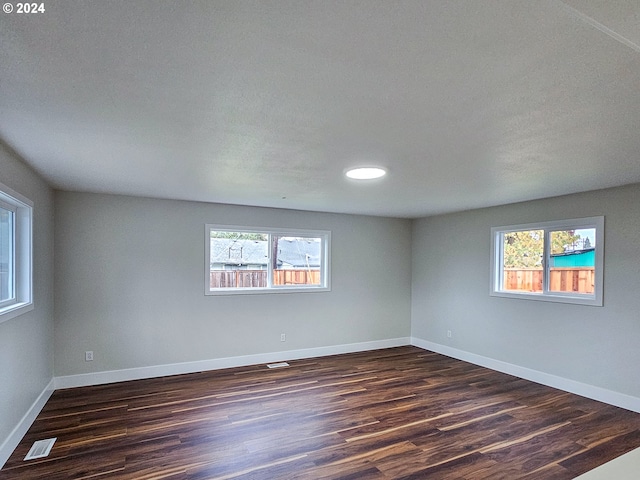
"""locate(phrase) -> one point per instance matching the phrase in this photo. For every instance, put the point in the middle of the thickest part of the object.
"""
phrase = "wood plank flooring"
(399, 413)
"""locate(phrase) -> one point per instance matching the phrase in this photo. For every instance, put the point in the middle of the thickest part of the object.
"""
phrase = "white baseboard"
(99, 378)
(595, 393)
(14, 438)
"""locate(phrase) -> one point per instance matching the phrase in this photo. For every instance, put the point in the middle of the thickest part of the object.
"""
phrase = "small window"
(249, 260)
(15, 254)
(560, 261)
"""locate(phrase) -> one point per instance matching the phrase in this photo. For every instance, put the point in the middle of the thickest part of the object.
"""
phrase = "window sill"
(266, 291)
(12, 311)
(590, 300)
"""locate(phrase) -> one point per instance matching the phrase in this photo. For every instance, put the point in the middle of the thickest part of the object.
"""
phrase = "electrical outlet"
(88, 356)
(283, 337)
(449, 334)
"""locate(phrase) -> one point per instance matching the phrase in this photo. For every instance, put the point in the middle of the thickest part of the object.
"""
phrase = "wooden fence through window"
(258, 278)
(572, 279)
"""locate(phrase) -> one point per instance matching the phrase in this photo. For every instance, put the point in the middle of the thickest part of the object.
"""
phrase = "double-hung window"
(560, 261)
(259, 260)
(15, 254)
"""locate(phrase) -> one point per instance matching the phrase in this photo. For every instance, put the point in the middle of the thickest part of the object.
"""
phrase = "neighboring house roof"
(299, 252)
(295, 252)
(241, 252)
(573, 252)
(575, 258)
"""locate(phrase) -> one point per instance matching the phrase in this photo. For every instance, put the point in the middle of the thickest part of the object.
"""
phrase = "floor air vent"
(40, 449)
(277, 365)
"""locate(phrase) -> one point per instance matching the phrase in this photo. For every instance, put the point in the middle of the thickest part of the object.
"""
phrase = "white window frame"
(22, 267)
(497, 256)
(325, 262)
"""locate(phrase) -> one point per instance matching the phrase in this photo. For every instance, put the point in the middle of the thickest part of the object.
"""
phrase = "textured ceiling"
(466, 103)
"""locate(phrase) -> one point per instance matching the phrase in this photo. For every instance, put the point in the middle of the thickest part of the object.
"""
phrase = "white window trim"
(325, 267)
(595, 299)
(23, 253)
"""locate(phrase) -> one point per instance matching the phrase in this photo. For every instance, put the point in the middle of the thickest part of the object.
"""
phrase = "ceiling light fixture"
(365, 173)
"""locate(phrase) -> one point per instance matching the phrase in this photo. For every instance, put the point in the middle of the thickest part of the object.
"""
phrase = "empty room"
(320, 239)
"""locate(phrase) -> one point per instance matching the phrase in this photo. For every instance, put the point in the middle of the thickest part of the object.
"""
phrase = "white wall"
(130, 285)
(26, 341)
(597, 346)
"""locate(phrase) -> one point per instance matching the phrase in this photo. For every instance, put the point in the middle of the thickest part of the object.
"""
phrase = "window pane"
(573, 261)
(6, 255)
(556, 261)
(296, 260)
(247, 260)
(522, 260)
(238, 260)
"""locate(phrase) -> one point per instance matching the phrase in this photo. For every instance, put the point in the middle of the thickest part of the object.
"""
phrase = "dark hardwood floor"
(399, 413)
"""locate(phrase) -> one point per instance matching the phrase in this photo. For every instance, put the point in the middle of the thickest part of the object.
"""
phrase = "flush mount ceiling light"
(365, 173)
